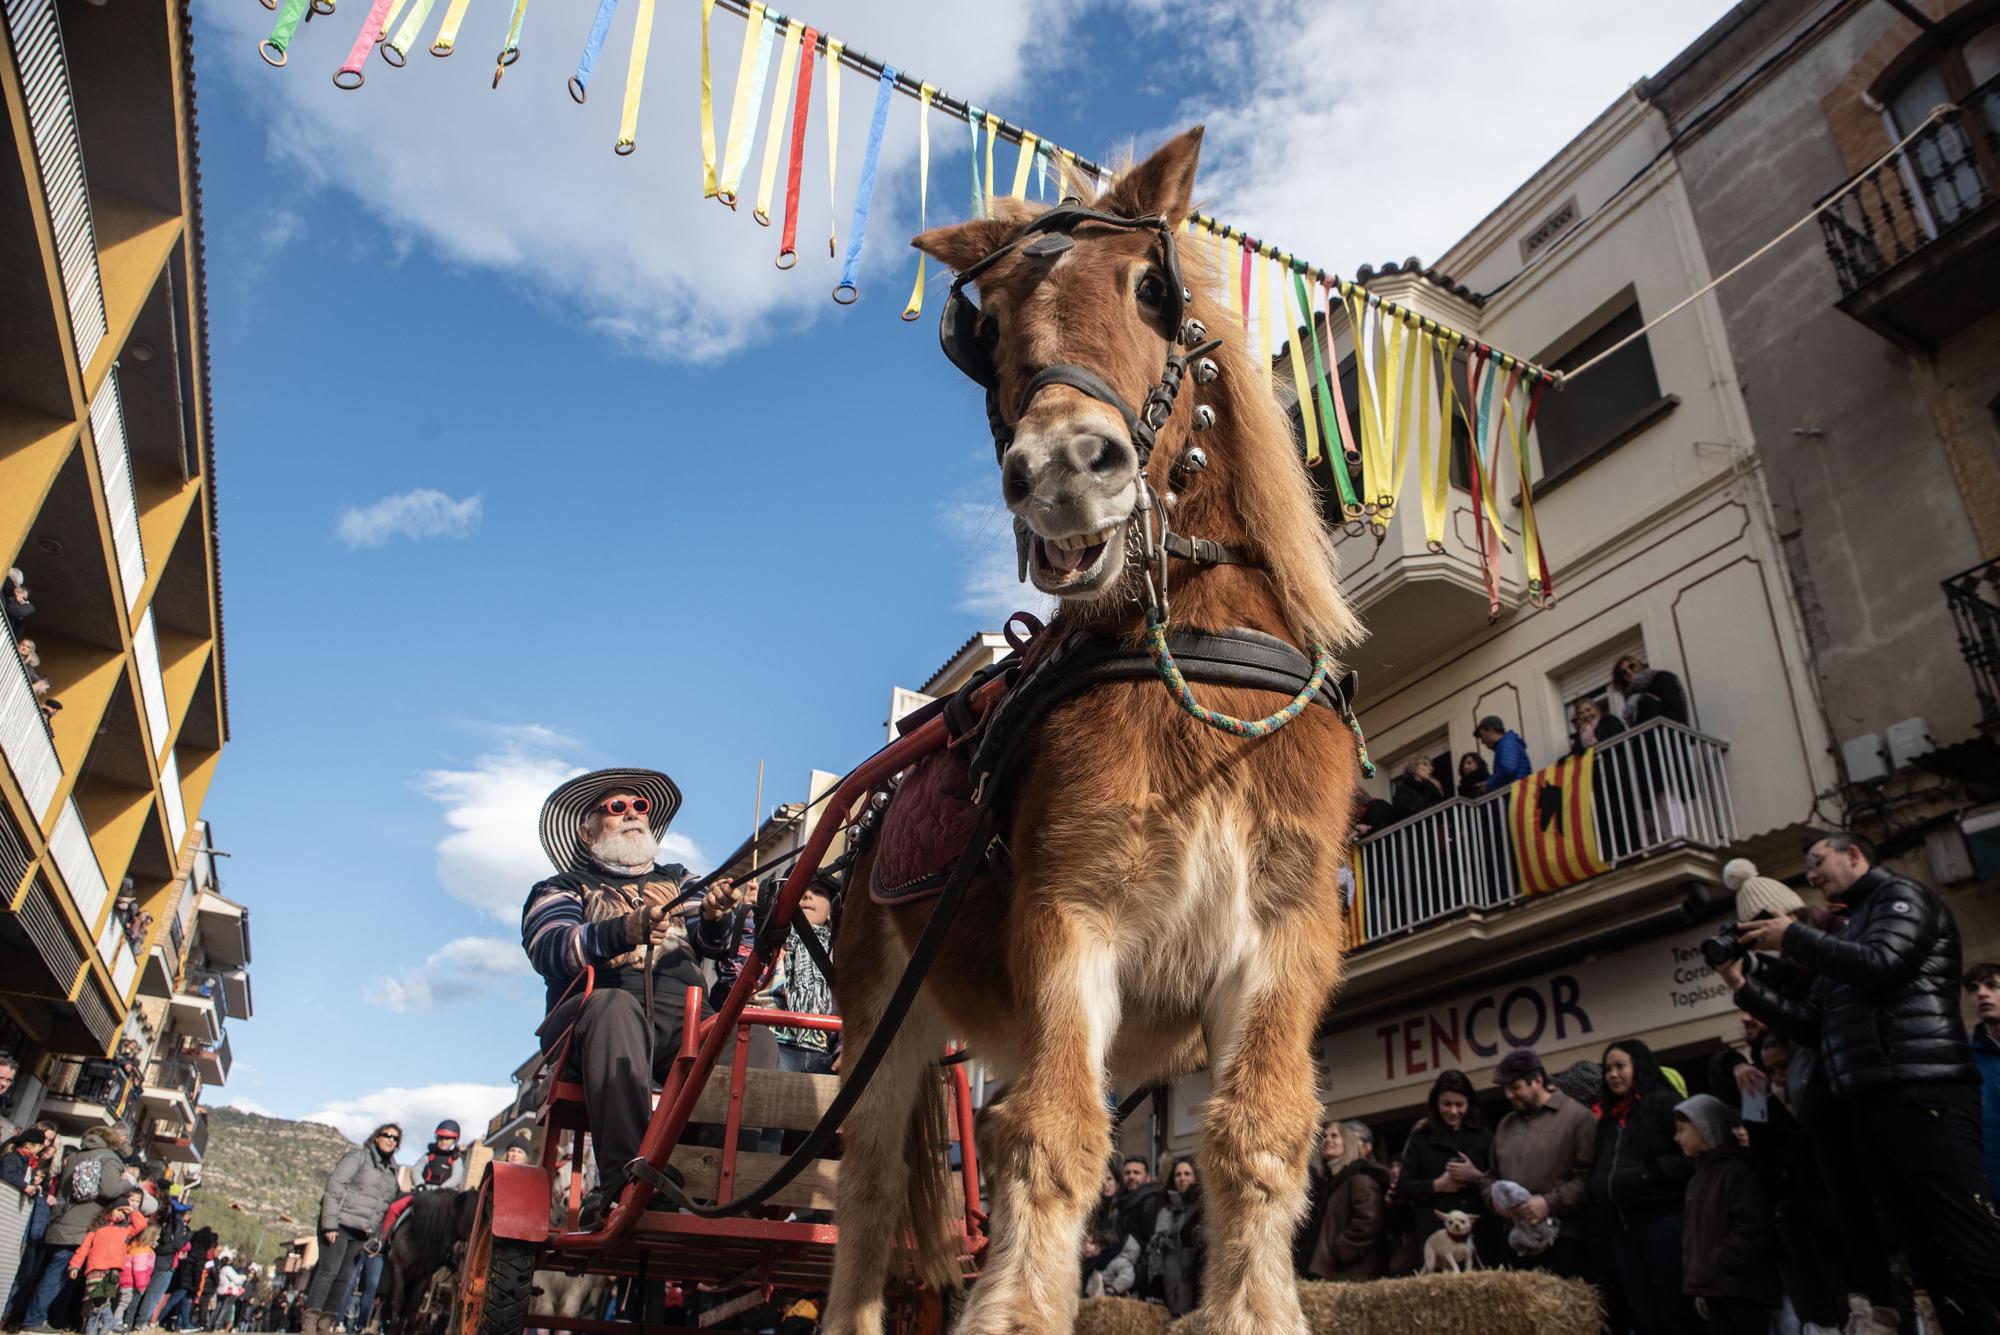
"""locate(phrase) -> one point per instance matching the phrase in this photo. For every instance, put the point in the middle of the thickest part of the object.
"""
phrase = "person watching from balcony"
(1472, 775)
(1982, 984)
(15, 596)
(1416, 789)
(1510, 753)
(1883, 1012)
(1547, 1146)
(610, 909)
(10, 1068)
(1649, 693)
(1594, 727)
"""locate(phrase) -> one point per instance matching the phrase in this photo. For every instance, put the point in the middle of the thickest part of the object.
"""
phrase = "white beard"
(628, 850)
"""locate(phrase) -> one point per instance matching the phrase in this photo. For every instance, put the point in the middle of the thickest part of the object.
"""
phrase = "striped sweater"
(575, 920)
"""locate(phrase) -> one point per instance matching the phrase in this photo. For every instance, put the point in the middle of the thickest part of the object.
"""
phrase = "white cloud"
(418, 514)
(1360, 132)
(990, 587)
(417, 1110)
(493, 853)
(467, 967)
(521, 181)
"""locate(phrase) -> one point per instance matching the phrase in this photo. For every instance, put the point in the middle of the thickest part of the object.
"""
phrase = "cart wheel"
(496, 1280)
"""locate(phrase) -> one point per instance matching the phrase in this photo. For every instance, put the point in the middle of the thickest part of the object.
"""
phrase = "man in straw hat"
(606, 903)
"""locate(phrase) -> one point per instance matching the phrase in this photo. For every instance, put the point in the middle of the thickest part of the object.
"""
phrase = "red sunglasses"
(618, 806)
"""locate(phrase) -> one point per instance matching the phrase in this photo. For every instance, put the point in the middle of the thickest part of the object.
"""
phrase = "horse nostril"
(1015, 480)
(1110, 455)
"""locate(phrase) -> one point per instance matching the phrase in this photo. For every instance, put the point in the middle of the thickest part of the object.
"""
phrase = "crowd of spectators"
(14, 600)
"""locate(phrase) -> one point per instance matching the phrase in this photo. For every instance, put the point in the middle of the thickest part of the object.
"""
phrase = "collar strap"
(1203, 552)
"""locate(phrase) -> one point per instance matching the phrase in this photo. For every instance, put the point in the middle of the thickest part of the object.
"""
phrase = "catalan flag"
(1555, 828)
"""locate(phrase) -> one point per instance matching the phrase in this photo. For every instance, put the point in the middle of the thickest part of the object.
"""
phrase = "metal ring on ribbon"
(624, 148)
(576, 90)
(787, 259)
(356, 75)
(393, 56)
(853, 294)
(266, 47)
(322, 6)
(442, 48)
(763, 218)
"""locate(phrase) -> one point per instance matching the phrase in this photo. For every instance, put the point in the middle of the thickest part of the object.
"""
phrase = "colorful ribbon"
(447, 39)
(281, 32)
(1028, 142)
(371, 28)
(1243, 305)
(1042, 157)
(1332, 413)
(1267, 348)
(593, 44)
(389, 19)
(709, 110)
(396, 50)
(788, 254)
(511, 51)
(773, 145)
(635, 78)
(749, 75)
(1434, 452)
(1308, 419)
(992, 137)
(914, 307)
(973, 115)
(834, 46)
(864, 193)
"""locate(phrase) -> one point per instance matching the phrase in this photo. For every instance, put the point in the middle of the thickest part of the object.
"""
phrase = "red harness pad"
(924, 830)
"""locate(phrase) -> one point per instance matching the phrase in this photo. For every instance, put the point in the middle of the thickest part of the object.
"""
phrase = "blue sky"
(530, 461)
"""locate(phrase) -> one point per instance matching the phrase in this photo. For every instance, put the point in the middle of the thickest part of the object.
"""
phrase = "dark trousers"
(1923, 1163)
(1646, 1259)
(1737, 1316)
(1809, 1236)
(608, 1055)
(1839, 1160)
(334, 1274)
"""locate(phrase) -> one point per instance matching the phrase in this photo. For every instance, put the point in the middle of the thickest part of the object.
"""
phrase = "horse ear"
(1162, 184)
(962, 245)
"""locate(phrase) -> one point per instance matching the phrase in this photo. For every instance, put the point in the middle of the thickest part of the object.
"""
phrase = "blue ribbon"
(857, 230)
(973, 115)
(592, 44)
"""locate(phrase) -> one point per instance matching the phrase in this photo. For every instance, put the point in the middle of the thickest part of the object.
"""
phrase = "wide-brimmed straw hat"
(566, 807)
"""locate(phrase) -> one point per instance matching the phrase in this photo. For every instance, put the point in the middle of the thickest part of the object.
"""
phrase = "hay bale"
(1485, 1302)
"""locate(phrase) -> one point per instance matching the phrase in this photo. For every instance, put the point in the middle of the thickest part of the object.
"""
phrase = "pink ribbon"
(370, 31)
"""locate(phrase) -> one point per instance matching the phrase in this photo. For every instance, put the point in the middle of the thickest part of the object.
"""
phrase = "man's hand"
(721, 900)
(1750, 1080)
(1765, 933)
(1731, 972)
(329, 1235)
(1533, 1210)
(648, 920)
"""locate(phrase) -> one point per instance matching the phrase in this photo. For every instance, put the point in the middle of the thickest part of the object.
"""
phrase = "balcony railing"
(1919, 194)
(24, 734)
(1974, 598)
(1658, 786)
(181, 1142)
(91, 1080)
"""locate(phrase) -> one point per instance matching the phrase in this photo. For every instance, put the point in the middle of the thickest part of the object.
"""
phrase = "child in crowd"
(1729, 1254)
(1109, 1270)
(100, 1259)
(136, 1274)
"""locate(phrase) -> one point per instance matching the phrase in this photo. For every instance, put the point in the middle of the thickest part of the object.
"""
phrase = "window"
(1944, 166)
(1616, 400)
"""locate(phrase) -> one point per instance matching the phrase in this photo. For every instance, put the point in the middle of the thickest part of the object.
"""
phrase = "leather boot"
(311, 1325)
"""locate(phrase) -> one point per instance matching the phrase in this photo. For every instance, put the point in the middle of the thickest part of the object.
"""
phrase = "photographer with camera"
(1882, 1011)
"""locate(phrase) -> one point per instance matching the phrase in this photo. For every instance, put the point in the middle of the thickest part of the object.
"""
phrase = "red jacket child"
(104, 1248)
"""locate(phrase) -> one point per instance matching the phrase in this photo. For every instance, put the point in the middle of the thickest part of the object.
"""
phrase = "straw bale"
(1486, 1302)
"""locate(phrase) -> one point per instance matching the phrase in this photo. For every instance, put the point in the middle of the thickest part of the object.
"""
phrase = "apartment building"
(123, 956)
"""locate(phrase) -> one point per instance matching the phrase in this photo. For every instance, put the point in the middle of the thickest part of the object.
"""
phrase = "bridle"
(1045, 237)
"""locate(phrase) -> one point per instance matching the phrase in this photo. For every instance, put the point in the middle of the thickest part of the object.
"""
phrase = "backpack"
(85, 1178)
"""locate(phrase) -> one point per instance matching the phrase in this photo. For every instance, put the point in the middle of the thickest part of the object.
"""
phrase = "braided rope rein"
(1177, 686)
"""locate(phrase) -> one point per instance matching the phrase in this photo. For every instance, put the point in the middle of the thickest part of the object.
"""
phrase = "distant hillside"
(271, 1167)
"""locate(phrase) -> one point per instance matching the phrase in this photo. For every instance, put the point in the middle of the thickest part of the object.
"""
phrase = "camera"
(1727, 944)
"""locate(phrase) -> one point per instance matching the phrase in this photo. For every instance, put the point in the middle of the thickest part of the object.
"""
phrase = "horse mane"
(434, 1222)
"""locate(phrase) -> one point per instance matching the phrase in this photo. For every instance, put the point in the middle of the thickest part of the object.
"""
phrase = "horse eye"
(1152, 291)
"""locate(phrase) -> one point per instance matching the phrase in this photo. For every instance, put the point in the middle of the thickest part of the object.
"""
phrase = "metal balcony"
(182, 1141)
(172, 1090)
(84, 1092)
(212, 1061)
(1915, 242)
(197, 1008)
(224, 927)
(1659, 786)
(1974, 598)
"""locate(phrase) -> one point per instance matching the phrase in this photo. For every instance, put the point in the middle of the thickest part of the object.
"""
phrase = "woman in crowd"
(357, 1196)
(1637, 1186)
(27, 1166)
(1472, 775)
(1649, 693)
(1354, 1225)
(1594, 727)
(1446, 1155)
(1180, 1242)
(185, 1285)
(1416, 789)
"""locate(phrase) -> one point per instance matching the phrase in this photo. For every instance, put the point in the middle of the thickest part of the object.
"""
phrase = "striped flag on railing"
(1552, 813)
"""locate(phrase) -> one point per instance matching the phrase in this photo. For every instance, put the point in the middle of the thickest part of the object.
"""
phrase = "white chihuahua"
(1450, 1248)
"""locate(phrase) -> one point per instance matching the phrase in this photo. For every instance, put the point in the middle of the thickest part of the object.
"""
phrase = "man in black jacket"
(1883, 1013)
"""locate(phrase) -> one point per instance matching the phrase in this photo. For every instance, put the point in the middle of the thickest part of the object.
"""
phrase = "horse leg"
(1051, 1137)
(875, 1187)
(1257, 1132)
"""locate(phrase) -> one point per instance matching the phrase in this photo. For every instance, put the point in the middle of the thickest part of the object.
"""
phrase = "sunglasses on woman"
(618, 806)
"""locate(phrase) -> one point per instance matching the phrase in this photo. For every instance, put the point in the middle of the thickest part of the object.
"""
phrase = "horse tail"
(935, 1216)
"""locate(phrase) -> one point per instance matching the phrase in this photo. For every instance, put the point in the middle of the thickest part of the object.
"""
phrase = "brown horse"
(1173, 903)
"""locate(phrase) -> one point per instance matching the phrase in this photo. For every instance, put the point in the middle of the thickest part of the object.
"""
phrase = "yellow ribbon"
(1367, 388)
(788, 62)
(915, 306)
(1531, 546)
(389, 20)
(1308, 415)
(992, 134)
(834, 46)
(447, 37)
(635, 75)
(1231, 264)
(1066, 166)
(1021, 165)
(707, 109)
(740, 110)
(1403, 339)
(1268, 347)
(1434, 451)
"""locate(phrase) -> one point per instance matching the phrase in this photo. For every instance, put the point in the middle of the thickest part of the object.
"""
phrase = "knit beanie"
(1711, 1117)
(1758, 894)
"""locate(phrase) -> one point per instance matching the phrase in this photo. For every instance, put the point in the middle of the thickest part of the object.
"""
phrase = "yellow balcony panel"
(82, 678)
(115, 814)
(182, 658)
(197, 766)
(33, 447)
(133, 243)
(164, 502)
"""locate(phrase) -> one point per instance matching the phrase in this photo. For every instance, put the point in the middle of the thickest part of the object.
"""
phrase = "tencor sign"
(1623, 994)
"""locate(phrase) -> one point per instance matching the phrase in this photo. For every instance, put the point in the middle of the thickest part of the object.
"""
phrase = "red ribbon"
(787, 247)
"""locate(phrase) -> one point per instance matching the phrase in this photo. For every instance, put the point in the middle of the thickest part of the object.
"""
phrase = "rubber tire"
(510, 1282)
